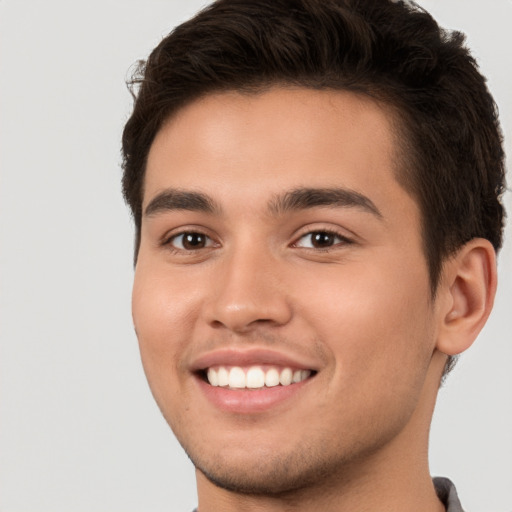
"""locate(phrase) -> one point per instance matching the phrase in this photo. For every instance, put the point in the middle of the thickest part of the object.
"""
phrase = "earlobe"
(469, 285)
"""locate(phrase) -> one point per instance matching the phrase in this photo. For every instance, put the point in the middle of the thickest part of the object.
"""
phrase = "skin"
(357, 310)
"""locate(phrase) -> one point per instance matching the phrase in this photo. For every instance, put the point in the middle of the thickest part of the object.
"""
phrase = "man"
(316, 190)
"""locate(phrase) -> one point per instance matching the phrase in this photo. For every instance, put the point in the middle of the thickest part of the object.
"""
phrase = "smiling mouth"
(254, 377)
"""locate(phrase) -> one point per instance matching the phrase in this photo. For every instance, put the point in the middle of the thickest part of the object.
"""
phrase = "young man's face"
(276, 242)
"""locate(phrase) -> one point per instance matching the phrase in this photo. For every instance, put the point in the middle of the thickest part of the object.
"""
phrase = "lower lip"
(250, 401)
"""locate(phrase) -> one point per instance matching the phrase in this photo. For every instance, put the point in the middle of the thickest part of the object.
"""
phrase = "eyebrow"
(293, 200)
(176, 199)
(305, 198)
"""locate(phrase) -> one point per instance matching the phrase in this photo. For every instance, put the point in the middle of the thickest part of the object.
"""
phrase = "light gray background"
(79, 429)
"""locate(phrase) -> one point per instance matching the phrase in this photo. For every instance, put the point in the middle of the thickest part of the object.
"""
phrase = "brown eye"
(190, 241)
(320, 240)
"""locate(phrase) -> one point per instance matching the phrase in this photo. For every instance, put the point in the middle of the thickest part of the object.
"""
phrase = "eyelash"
(168, 242)
(342, 241)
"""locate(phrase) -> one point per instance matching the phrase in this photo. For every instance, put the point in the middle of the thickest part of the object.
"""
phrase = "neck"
(395, 478)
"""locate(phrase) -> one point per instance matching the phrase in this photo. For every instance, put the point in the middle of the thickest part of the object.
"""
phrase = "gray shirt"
(447, 494)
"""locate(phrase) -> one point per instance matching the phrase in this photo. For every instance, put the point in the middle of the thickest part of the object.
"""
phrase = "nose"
(248, 290)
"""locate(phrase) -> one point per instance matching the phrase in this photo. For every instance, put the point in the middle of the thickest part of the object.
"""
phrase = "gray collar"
(447, 494)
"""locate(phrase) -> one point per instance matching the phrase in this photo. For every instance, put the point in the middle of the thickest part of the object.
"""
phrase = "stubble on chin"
(279, 475)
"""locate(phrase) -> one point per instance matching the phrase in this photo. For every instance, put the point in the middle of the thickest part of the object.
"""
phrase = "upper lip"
(249, 357)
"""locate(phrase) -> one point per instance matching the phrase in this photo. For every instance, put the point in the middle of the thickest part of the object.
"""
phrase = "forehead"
(276, 140)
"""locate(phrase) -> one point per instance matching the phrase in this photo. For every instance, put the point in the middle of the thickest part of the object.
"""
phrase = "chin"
(275, 481)
(278, 474)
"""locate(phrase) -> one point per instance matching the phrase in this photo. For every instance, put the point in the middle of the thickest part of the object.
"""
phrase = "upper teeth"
(254, 377)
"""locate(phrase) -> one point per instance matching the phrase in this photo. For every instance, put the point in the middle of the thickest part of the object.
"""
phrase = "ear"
(467, 290)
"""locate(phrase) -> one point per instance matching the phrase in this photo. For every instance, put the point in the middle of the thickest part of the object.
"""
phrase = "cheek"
(161, 316)
(376, 323)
